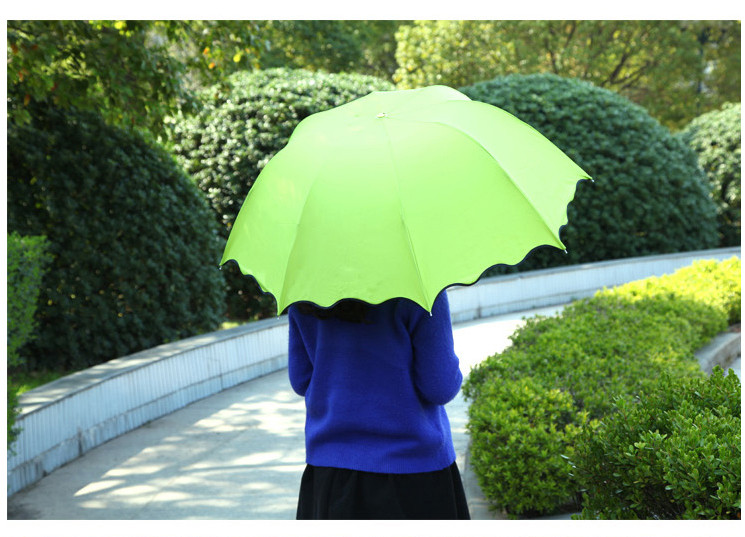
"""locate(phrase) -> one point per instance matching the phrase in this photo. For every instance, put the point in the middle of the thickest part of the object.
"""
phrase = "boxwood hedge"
(561, 374)
(649, 194)
(717, 140)
(245, 122)
(134, 243)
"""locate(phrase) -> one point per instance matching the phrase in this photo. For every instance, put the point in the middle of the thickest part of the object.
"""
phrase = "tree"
(103, 65)
(134, 73)
(335, 46)
(675, 69)
(137, 73)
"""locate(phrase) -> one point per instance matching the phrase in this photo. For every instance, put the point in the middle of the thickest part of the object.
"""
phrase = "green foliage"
(561, 375)
(27, 262)
(335, 46)
(673, 452)
(717, 140)
(242, 126)
(12, 410)
(661, 65)
(137, 72)
(113, 67)
(135, 246)
(716, 283)
(649, 194)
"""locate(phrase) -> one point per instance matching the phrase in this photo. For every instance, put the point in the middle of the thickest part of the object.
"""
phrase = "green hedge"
(673, 452)
(27, 262)
(244, 123)
(135, 247)
(717, 140)
(649, 195)
(530, 402)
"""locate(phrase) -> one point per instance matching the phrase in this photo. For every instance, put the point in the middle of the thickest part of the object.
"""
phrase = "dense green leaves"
(649, 194)
(28, 260)
(717, 140)
(673, 452)
(135, 246)
(675, 69)
(562, 375)
(114, 67)
(243, 125)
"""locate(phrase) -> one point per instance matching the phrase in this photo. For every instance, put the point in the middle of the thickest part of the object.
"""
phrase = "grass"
(28, 380)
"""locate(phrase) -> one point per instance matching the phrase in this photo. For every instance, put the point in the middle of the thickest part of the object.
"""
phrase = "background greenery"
(134, 243)
(649, 194)
(94, 108)
(716, 138)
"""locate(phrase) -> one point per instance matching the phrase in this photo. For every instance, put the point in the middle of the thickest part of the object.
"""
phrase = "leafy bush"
(716, 283)
(135, 246)
(27, 262)
(242, 125)
(671, 453)
(717, 140)
(561, 374)
(12, 409)
(649, 194)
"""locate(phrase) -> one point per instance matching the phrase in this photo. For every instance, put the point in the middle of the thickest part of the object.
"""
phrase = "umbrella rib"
(494, 157)
(403, 220)
(294, 238)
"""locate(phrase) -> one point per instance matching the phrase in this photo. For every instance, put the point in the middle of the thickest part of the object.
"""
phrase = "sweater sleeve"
(300, 368)
(437, 373)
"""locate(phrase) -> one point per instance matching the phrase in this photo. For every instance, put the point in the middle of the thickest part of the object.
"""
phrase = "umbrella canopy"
(400, 194)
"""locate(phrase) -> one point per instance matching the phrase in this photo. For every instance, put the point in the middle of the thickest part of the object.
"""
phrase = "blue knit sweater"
(374, 392)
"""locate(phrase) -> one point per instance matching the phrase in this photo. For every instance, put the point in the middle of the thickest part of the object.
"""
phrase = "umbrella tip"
(565, 251)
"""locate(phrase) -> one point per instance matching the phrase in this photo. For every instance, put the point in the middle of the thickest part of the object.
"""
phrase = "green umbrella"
(400, 194)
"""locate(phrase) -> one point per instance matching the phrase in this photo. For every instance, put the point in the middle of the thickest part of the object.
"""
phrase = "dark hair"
(353, 311)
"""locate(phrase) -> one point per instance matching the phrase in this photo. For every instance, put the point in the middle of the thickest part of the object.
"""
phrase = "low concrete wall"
(62, 420)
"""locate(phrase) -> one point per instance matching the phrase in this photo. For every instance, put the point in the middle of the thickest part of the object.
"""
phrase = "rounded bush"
(135, 246)
(716, 139)
(243, 124)
(649, 194)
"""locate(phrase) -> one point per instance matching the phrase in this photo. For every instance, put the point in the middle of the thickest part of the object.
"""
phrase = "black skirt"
(341, 494)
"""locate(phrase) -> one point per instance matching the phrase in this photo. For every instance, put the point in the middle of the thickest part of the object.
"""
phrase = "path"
(236, 455)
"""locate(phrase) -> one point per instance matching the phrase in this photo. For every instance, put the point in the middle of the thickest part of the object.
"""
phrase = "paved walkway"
(236, 455)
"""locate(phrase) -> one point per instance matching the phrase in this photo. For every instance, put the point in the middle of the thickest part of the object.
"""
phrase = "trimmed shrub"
(561, 374)
(135, 246)
(649, 194)
(27, 262)
(717, 140)
(670, 453)
(243, 124)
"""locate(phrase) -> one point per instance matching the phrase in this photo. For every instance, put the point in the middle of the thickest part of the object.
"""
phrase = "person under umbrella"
(357, 227)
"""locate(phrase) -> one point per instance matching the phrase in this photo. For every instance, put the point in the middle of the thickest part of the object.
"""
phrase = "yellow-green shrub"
(529, 403)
